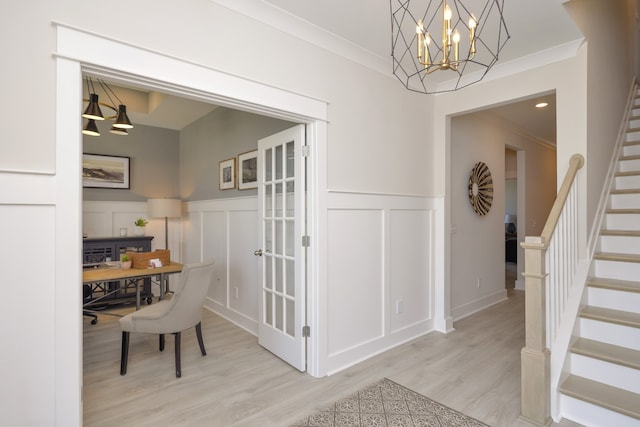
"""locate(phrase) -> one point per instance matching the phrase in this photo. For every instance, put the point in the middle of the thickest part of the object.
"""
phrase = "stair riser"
(623, 336)
(632, 135)
(590, 415)
(631, 182)
(606, 373)
(622, 244)
(629, 165)
(617, 270)
(616, 300)
(625, 201)
(631, 150)
(622, 222)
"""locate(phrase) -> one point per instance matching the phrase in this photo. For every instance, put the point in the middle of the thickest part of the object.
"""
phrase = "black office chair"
(86, 289)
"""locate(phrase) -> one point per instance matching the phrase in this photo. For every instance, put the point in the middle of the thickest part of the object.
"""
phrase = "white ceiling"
(539, 29)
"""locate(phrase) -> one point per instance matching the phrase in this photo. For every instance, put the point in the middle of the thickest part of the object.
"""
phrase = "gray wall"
(218, 136)
(154, 162)
(169, 163)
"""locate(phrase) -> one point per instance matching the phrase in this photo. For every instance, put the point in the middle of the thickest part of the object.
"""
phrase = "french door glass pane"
(290, 278)
(290, 160)
(279, 164)
(268, 160)
(291, 317)
(268, 308)
(279, 274)
(279, 324)
(289, 231)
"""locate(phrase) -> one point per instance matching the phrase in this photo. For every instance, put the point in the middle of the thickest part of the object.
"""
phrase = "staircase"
(603, 383)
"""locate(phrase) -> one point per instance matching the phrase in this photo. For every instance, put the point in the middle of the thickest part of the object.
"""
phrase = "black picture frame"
(101, 171)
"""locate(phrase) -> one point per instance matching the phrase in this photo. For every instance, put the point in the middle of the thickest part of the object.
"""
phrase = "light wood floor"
(475, 370)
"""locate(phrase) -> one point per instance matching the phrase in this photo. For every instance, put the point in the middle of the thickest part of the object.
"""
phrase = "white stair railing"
(551, 260)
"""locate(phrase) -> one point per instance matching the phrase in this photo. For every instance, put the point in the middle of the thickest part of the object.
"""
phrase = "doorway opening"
(511, 217)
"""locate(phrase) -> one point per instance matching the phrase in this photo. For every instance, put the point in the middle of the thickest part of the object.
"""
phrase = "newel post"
(535, 399)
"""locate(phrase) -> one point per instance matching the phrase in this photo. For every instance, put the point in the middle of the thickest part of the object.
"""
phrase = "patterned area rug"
(387, 404)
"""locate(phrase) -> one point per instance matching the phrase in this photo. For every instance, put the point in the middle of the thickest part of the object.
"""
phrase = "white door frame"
(79, 50)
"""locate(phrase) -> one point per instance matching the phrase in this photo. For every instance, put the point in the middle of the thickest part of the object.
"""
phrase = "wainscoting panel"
(213, 235)
(29, 294)
(380, 274)
(356, 278)
(410, 260)
(227, 230)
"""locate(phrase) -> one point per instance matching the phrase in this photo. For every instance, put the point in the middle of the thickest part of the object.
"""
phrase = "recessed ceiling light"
(541, 104)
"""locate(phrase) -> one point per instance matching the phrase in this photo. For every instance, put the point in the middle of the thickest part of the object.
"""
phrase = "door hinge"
(306, 332)
(306, 241)
(305, 151)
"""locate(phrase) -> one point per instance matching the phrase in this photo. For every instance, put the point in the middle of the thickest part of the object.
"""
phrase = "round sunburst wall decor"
(481, 188)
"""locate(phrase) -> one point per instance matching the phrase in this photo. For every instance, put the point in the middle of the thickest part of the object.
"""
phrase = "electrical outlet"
(237, 291)
(478, 282)
(399, 306)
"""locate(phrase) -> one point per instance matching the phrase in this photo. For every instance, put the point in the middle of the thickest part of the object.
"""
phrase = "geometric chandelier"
(445, 45)
(93, 111)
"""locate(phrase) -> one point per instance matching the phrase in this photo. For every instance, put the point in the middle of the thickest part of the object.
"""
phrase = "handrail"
(550, 263)
(575, 163)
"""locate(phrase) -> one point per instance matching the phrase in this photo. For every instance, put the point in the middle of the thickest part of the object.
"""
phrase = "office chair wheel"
(94, 321)
(149, 301)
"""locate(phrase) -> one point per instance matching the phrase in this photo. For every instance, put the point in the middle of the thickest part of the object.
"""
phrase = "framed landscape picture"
(100, 171)
(227, 173)
(248, 170)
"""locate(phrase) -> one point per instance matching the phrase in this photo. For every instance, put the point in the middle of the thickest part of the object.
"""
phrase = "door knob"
(258, 252)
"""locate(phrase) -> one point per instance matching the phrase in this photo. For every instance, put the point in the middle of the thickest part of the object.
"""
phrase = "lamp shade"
(164, 208)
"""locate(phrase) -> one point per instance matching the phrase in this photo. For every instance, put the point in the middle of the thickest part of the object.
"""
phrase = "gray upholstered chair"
(172, 316)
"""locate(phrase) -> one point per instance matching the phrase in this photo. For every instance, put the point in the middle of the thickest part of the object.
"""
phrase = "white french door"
(282, 228)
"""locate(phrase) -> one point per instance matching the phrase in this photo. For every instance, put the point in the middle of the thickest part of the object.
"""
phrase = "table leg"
(137, 294)
(163, 285)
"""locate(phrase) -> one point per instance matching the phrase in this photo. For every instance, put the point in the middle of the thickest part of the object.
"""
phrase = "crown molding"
(299, 28)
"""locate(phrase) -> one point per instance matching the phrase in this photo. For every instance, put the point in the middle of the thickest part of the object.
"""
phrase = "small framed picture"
(227, 177)
(100, 171)
(248, 170)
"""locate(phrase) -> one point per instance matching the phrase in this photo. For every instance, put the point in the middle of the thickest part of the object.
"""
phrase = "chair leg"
(161, 344)
(200, 341)
(124, 356)
(178, 370)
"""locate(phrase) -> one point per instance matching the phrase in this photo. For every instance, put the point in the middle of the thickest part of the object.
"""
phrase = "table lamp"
(165, 208)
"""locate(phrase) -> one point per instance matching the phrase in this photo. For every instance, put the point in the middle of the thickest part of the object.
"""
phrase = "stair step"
(610, 256)
(622, 211)
(608, 315)
(628, 233)
(634, 157)
(603, 395)
(615, 285)
(626, 191)
(607, 352)
(625, 233)
(630, 143)
(630, 173)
